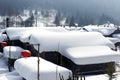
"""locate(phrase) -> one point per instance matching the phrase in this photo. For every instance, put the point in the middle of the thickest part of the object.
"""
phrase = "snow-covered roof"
(61, 40)
(106, 31)
(24, 38)
(101, 29)
(3, 37)
(13, 52)
(93, 43)
(73, 28)
(53, 41)
(88, 41)
(54, 29)
(114, 40)
(91, 54)
(24, 18)
(48, 70)
(116, 36)
(14, 33)
(24, 32)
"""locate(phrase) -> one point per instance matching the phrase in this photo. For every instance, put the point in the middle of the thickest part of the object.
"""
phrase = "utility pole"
(38, 62)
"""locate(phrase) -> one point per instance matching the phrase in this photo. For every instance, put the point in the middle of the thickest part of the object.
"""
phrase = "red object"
(26, 53)
(3, 44)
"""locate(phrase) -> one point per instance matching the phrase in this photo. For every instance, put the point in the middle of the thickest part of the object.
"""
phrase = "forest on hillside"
(80, 12)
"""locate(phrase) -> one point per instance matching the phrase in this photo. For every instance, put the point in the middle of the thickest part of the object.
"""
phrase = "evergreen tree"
(104, 18)
(81, 21)
(57, 20)
(67, 21)
(110, 71)
(29, 22)
(72, 21)
(31, 19)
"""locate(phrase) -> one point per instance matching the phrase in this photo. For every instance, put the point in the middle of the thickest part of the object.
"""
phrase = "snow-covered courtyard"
(4, 72)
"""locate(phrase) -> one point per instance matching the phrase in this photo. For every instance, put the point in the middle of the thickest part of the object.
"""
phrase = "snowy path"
(4, 72)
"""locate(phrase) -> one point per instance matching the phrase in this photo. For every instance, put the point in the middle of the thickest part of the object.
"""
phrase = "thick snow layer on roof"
(13, 52)
(3, 37)
(80, 29)
(116, 36)
(91, 54)
(88, 43)
(114, 40)
(15, 33)
(58, 39)
(53, 41)
(24, 38)
(54, 29)
(101, 29)
(70, 28)
(107, 31)
(48, 70)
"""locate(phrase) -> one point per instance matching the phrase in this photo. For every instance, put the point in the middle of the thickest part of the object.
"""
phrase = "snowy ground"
(4, 72)
(6, 75)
